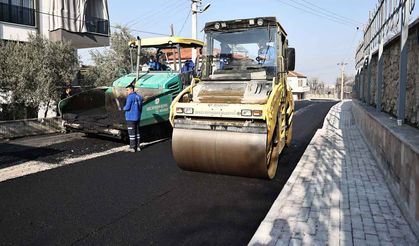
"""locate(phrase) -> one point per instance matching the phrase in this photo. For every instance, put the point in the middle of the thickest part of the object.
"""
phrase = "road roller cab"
(238, 118)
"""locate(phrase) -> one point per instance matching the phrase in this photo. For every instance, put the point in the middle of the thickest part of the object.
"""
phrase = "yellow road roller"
(238, 118)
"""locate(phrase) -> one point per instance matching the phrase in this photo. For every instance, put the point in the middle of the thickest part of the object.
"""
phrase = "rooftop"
(296, 74)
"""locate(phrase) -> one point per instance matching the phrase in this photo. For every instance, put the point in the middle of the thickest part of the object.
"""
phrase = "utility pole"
(195, 12)
(194, 24)
(172, 30)
(342, 72)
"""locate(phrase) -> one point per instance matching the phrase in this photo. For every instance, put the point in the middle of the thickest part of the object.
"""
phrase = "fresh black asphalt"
(144, 198)
(13, 154)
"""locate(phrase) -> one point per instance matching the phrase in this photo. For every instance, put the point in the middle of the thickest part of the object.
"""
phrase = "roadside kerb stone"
(336, 194)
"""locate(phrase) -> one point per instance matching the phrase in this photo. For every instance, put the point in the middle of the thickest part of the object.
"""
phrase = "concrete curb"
(260, 236)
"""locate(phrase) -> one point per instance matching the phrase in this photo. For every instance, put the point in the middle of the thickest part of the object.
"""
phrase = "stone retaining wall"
(396, 150)
(390, 90)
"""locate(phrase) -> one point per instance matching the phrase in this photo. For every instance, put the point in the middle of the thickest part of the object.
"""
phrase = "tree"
(316, 86)
(113, 62)
(347, 80)
(37, 71)
(11, 57)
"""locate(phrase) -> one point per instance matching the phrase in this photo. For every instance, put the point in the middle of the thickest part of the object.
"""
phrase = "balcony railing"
(97, 25)
(17, 14)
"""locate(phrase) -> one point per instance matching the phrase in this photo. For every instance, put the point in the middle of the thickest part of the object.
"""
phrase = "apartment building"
(83, 22)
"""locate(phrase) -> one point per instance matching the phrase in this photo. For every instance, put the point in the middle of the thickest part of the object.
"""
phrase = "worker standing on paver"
(132, 110)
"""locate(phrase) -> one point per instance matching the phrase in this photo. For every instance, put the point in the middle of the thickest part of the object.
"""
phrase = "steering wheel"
(260, 60)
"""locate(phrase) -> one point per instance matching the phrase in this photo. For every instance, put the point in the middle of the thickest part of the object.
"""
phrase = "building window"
(18, 11)
(96, 17)
(300, 82)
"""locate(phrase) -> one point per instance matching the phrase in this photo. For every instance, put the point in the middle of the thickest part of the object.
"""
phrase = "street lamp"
(205, 8)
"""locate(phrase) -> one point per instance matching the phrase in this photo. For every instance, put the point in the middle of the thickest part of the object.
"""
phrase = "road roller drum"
(234, 153)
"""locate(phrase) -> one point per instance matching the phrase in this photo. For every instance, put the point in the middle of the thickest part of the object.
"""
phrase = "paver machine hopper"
(160, 77)
(238, 118)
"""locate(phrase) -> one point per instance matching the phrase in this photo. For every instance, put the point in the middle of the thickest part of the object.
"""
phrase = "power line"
(352, 42)
(310, 12)
(329, 15)
(159, 12)
(78, 20)
(183, 25)
(153, 19)
(148, 32)
(313, 11)
(332, 13)
(60, 16)
(149, 13)
(307, 10)
(142, 31)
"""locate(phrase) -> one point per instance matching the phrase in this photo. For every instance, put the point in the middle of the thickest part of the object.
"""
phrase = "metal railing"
(359, 57)
(384, 19)
(389, 15)
(97, 25)
(17, 14)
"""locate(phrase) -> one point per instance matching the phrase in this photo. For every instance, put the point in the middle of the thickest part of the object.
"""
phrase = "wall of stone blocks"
(412, 95)
(391, 56)
(374, 68)
(390, 90)
(396, 150)
(364, 84)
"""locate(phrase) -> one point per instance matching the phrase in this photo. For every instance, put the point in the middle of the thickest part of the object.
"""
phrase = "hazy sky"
(323, 32)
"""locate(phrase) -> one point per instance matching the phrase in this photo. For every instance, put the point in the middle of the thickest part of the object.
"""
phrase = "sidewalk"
(336, 194)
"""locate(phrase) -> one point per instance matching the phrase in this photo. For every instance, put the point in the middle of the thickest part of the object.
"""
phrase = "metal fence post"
(380, 75)
(357, 87)
(405, 14)
(360, 85)
(369, 80)
(363, 84)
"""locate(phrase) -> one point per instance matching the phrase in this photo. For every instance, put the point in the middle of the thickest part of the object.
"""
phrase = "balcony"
(95, 33)
(17, 14)
(97, 25)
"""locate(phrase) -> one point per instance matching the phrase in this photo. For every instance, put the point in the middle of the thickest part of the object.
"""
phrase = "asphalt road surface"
(137, 198)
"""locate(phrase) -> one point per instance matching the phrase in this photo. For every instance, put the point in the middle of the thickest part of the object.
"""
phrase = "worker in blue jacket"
(132, 110)
(266, 54)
